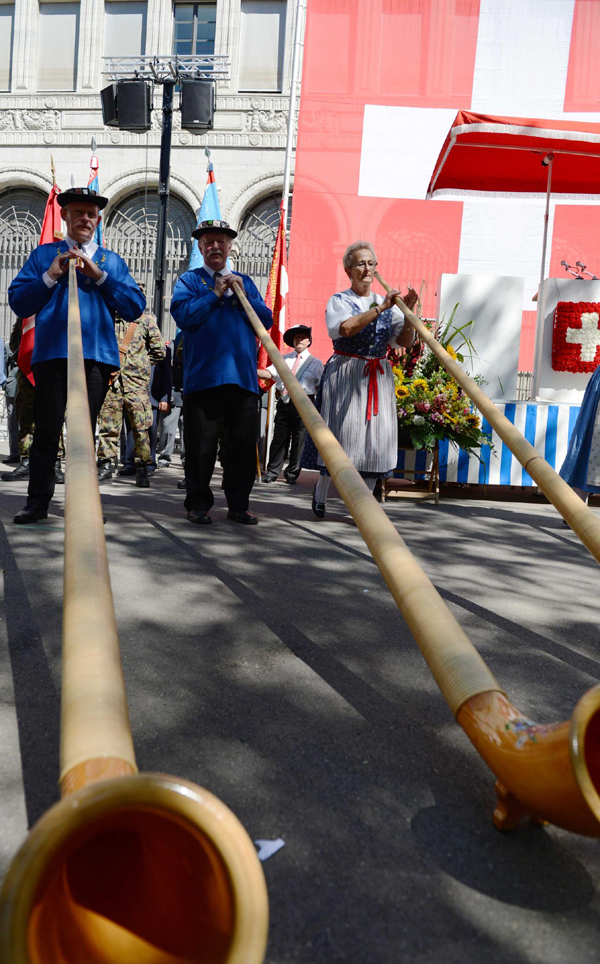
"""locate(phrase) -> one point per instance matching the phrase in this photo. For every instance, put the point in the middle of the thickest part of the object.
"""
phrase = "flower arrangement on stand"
(431, 405)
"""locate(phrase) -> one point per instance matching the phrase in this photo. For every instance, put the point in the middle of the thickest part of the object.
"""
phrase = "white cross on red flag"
(576, 337)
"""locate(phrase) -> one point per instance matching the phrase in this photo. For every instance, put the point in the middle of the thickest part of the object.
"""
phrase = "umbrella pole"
(541, 303)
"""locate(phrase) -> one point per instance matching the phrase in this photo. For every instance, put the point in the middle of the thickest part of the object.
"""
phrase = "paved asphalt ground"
(271, 665)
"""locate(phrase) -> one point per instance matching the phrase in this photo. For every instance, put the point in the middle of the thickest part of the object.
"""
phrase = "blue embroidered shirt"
(30, 295)
(219, 341)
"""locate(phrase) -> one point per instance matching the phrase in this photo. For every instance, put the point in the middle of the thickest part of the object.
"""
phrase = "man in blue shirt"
(41, 289)
(220, 383)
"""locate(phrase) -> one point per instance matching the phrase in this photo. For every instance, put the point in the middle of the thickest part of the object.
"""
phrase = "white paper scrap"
(266, 848)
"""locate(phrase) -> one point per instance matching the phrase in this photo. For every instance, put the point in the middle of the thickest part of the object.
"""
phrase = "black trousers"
(49, 414)
(203, 414)
(287, 427)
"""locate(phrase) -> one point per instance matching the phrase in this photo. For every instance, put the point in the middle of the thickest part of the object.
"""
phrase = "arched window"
(253, 247)
(21, 216)
(131, 232)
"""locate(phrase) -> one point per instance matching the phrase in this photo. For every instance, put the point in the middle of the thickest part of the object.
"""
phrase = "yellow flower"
(402, 391)
(420, 384)
(450, 418)
(473, 419)
(451, 351)
(398, 375)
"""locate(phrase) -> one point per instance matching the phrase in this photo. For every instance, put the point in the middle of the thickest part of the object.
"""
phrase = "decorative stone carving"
(156, 120)
(29, 120)
(267, 121)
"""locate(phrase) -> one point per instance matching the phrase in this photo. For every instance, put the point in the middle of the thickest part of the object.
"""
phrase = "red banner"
(277, 290)
(51, 231)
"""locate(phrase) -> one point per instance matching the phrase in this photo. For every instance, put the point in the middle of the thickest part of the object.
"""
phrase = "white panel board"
(494, 304)
(563, 386)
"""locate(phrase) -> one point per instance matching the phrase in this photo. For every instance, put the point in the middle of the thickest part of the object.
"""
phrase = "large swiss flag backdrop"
(381, 84)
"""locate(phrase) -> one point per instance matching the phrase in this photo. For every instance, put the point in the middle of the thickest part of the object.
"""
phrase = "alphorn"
(128, 868)
(573, 510)
(551, 773)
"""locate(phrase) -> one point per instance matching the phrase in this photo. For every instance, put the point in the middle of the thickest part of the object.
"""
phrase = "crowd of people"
(204, 383)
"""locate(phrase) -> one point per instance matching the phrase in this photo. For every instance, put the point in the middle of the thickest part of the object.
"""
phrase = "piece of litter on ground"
(366, 590)
(266, 848)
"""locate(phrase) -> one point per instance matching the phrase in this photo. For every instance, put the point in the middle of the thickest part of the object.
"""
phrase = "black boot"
(141, 476)
(21, 472)
(59, 477)
(104, 471)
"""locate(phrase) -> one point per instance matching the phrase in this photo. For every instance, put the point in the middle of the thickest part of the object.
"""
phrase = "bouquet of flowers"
(431, 405)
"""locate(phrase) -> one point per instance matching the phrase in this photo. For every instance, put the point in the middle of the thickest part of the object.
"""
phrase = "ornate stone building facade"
(52, 58)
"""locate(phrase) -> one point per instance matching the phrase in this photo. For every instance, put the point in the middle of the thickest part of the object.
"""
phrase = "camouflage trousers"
(24, 410)
(110, 421)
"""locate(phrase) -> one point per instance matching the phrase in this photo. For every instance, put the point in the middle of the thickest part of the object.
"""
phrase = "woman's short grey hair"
(348, 259)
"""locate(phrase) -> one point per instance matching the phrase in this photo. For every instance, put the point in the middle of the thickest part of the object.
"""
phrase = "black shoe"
(289, 481)
(318, 507)
(244, 517)
(11, 460)
(21, 472)
(141, 477)
(269, 478)
(199, 516)
(127, 470)
(181, 484)
(104, 471)
(59, 477)
(30, 513)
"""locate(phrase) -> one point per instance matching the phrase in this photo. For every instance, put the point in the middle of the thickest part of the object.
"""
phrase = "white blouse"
(339, 309)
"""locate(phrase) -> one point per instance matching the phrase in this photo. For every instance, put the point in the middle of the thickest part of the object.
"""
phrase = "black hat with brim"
(290, 334)
(205, 226)
(82, 194)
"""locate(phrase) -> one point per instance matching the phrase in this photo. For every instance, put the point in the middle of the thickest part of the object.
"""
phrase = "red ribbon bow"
(372, 368)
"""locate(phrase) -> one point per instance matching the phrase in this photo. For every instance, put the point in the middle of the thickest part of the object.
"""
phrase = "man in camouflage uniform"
(24, 411)
(140, 346)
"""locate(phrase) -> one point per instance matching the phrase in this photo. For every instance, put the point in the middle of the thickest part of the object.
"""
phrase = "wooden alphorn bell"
(128, 868)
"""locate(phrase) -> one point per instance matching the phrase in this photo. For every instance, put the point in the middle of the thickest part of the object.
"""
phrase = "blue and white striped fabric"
(547, 427)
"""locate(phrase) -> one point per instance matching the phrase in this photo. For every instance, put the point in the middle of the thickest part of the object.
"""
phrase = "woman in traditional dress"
(356, 397)
(581, 467)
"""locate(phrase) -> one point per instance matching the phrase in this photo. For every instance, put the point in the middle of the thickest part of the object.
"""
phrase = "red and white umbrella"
(519, 156)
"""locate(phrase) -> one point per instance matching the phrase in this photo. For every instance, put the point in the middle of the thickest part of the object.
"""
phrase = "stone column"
(91, 42)
(25, 45)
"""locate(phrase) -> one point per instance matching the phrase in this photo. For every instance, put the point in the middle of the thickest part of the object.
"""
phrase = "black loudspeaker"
(134, 105)
(197, 104)
(109, 105)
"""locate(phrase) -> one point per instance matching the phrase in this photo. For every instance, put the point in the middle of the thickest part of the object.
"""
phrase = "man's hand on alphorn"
(232, 279)
(59, 266)
(84, 264)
